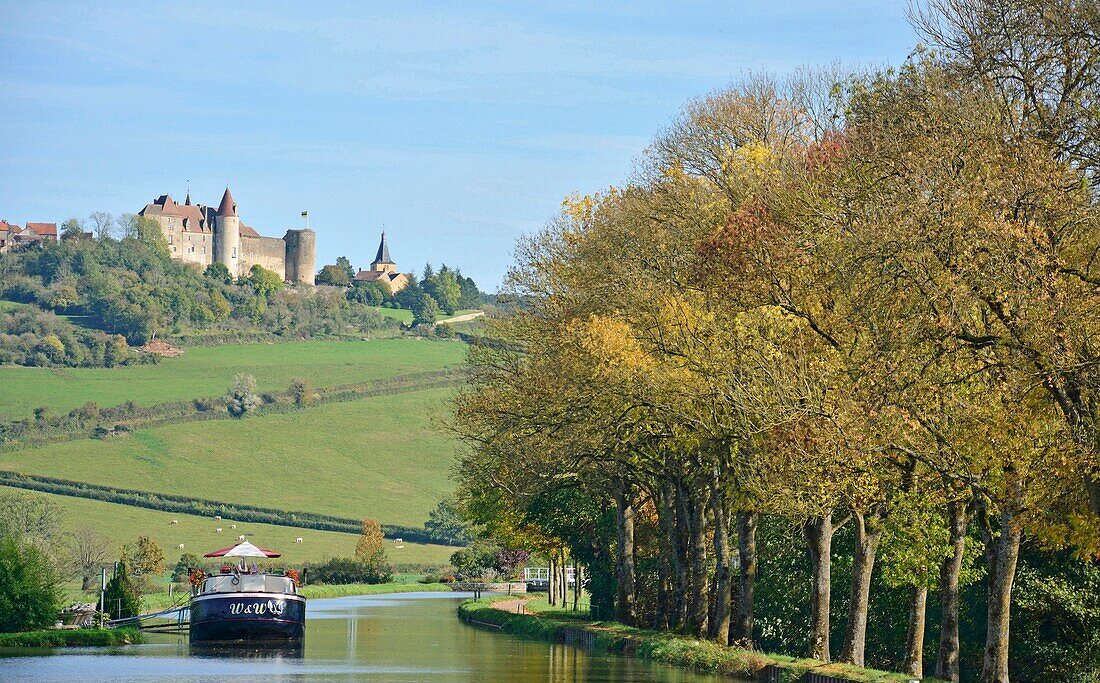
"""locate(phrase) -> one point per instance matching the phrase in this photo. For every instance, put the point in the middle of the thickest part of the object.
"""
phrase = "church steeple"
(383, 255)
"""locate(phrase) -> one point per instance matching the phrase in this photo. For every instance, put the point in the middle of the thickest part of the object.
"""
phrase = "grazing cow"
(298, 540)
(232, 526)
(217, 518)
(218, 530)
(240, 538)
(180, 546)
(175, 521)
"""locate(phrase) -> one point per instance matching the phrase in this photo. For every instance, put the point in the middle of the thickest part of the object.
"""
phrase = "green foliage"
(85, 637)
(444, 288)
(301, 392)
(334, 276)
(372, 293)
(344, 264)
(29, 336)
(31, 517)
(475, 559)
(264, 281)
(370, 550)
(242, 399)
(218, 272)
(122, 598)
(187, 562)
(345, 570)
(30, 590)
(133, 288)
(1056, 619)
(445, 525)
(144, 556)
(425, 310)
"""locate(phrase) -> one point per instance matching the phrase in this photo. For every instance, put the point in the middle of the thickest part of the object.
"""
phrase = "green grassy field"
(122, 524)
(383, 458)
(208, 371)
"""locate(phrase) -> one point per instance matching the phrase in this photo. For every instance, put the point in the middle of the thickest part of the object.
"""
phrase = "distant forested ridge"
(90, 300)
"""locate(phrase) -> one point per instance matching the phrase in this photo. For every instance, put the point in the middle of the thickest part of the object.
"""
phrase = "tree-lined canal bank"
(690, 653)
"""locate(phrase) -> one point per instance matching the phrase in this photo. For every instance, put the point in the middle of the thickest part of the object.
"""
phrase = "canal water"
(404, 637)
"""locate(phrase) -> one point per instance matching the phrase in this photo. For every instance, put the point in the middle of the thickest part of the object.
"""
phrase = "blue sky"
(457, 126)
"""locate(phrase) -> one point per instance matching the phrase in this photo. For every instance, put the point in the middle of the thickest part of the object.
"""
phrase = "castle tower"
(227, 234)
(301, 250)
(382, 261)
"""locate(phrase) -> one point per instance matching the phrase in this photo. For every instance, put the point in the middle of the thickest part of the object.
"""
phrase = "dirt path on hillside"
(462, 318)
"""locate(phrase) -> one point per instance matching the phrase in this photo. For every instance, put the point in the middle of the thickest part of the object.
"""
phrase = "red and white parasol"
(243, 549)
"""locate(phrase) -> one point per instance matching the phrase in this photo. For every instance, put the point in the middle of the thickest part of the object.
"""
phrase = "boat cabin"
(248, 583)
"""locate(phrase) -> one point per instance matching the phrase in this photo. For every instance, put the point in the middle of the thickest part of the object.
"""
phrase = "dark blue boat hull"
(237, 617)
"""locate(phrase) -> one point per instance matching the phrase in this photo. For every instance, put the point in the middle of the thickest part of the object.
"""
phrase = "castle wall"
(269, 252)
(191, 247)
(301, 255)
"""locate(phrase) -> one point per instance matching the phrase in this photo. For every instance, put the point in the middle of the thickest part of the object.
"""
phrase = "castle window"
(170, 240)
(234, 252)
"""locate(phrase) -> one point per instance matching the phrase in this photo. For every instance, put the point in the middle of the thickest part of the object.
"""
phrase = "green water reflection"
(413, 637)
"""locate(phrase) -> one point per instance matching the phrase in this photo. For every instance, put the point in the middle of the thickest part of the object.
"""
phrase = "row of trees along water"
(858, 302)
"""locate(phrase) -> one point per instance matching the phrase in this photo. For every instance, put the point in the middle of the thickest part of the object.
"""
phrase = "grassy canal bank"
(82, 637)
(658, 646)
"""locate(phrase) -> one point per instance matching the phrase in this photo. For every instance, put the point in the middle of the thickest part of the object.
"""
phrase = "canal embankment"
(664, 647)
(76, 637)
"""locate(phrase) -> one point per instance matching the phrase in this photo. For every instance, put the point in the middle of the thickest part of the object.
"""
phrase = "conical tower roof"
(228, 207)
(383, 255)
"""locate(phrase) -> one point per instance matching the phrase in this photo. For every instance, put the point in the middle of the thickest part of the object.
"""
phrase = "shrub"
(301, 392)
(122, 598)
(242, 399)
(343, 570)
(30, 592)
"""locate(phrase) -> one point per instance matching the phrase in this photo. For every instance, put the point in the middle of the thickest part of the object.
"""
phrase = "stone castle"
(202, 234)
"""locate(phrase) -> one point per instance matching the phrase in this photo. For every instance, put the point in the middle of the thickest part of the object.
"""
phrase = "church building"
(384, 270)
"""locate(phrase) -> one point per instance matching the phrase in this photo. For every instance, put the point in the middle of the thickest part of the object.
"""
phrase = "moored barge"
(245, 604)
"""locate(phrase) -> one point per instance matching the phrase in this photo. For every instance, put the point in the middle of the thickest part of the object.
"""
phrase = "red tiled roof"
(43, 229)
(228, 207)
(8, 227)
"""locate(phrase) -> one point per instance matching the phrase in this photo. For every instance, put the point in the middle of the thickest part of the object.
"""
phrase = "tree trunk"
(868, 535)
(552, 588)
(87, 582)
(624, 518)
(682, 553)
(667, 565)
(578, 583)
(947, 663)
(1002, 572)
(914, 637)
(697, 609)
(746, 549)
(819, 538)
(720, 623)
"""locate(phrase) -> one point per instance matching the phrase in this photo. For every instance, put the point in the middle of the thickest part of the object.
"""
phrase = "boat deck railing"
(247, 583)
